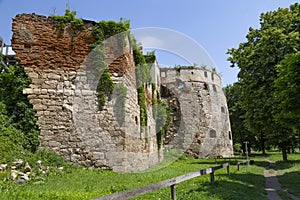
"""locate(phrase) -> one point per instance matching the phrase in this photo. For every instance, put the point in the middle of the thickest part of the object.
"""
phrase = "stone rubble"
(21, 173)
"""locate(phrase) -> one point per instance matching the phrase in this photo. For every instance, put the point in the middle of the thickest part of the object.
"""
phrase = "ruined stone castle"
(63, 93)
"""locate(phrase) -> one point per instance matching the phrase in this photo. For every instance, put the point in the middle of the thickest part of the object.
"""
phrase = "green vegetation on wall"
(143, 73)
(143, 107)
(101, 31)
(105, 88)
(162, 114)
(178, 68)
(105, 29)
(68, 21)
(143, 77)
(150, 57)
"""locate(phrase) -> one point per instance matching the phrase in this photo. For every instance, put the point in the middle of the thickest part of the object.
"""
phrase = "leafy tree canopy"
(257, 58)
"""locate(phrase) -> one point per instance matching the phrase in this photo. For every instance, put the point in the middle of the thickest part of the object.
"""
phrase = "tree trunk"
(283, 150)
(249, 149)
(293, 145)
(243, 145)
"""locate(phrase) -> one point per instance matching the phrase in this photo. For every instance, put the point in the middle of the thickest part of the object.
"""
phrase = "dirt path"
(272, 184)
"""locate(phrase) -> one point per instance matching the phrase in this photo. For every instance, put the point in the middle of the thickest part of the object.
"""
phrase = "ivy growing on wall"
(143, 107)
(105, 29)
(101, 31)
(162, 115)
(178, 68)
(150, 57)
(105, 88)
(143, 77)
(70, 21)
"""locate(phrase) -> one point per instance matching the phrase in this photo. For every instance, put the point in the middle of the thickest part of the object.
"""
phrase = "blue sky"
(215, 25)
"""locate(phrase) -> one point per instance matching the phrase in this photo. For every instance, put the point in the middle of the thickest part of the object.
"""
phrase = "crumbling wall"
(63, 92)
(204, 127)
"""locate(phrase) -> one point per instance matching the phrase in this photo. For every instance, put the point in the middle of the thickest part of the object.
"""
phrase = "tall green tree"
(288, 95)
(288, 91)
(240, 131)
(257, 58)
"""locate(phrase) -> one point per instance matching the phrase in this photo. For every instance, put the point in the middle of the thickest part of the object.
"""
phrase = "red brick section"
(38, 43)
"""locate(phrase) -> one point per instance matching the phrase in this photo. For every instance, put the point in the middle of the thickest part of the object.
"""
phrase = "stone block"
(53, 76)
(53, 144)
(87, 92)
(51, 91)
(101, 164)
(28, 91)
(39, 107)
(47, 86)
(33, 75)
(99, 155)
(54, 108)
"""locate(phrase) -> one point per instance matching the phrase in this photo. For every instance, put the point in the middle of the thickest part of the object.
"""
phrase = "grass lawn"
(80, 183)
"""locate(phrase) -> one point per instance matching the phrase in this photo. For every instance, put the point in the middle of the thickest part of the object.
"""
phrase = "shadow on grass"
(281, 165)
(263, 164)
(236, 186)
(218, 161)
(212, 163)
(290, 181)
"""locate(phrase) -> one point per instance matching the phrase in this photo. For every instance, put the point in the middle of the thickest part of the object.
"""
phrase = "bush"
(11, 139)
(18, 120)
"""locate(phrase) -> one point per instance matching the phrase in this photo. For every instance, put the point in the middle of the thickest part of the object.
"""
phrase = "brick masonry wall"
(63, 92)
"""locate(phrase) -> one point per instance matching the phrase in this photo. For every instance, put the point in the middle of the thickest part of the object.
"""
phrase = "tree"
(288, 87)
(257, 58)
(240, 132)
(287, 95)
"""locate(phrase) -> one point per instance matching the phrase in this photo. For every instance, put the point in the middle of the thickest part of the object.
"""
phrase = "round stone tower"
(201, 125)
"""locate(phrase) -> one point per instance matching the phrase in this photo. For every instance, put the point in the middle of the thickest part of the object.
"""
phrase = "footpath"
(272, 184)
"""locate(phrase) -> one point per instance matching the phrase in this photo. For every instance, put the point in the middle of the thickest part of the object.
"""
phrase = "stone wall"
(63, 92)
(204, 126)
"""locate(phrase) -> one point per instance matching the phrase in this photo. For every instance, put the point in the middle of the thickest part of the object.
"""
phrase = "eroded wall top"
(38, 43)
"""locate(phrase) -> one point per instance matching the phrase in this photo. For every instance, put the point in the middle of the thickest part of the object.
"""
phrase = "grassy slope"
(79, 183)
